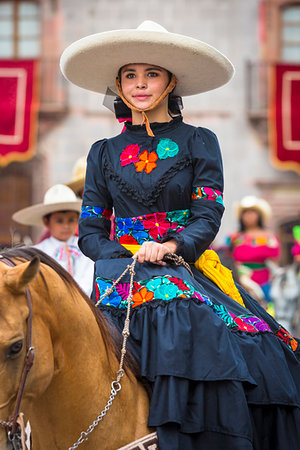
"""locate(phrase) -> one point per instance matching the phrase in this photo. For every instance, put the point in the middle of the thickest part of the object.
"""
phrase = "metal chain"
(5, 424)
(115, 385)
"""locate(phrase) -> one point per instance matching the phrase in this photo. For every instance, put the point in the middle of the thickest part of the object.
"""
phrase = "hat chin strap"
(145, 121)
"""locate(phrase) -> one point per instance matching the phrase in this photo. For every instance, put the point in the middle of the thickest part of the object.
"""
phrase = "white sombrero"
(58, 198)
(94, 61)
(252, 202)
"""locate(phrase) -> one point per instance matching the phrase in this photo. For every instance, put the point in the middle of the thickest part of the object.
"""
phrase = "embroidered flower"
(140, 235)
(157, 225)
(181, 216)
(243, 325)
(113, 299)
(167, 148)
(147, 162)
(124, 225)
(130, 154)
(95, 211)
(142, 296)
(167, 292)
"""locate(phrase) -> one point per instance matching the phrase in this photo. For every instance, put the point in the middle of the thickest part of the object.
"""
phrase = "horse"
(75, 360)
(285, 293)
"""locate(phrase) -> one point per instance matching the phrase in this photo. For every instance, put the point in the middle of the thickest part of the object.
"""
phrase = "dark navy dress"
(223, 376)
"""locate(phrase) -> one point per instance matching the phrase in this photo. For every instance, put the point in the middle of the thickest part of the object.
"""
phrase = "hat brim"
(33, 215)
(240, 209)
(76, 185)
(93, 62)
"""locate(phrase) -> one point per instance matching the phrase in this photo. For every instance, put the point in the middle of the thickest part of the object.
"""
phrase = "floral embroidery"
(151, 227)
(167, 288)
(147, 162)
(95, 211)
(166, 148)
(207, 193)
(142, 296)
(286, 337)
(130, 154)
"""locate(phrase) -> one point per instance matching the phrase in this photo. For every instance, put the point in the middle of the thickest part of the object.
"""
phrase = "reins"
(12, 425)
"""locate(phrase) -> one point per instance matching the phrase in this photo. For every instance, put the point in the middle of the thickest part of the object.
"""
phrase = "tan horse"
(75, 361)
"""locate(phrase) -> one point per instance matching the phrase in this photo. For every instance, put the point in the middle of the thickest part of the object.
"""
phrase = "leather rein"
(12, 425)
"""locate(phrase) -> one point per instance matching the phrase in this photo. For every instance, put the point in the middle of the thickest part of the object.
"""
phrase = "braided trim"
(149, 198)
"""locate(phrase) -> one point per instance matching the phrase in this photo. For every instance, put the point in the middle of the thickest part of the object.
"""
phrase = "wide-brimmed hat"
(58, 198)
(252, 202)
(93, 62)
(78, 175)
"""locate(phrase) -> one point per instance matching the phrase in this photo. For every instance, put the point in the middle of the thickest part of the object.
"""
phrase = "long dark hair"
(260, 222)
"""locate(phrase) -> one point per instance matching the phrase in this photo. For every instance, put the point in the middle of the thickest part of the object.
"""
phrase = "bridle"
(12, 425)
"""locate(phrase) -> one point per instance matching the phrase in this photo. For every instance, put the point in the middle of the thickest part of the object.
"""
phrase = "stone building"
(253, 34)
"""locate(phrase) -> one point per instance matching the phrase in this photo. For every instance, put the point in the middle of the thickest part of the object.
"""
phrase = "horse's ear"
(19, 276)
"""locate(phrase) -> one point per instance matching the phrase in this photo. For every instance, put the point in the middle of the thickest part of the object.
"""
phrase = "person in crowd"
(253, 245)
(207, 348)
(59, 213)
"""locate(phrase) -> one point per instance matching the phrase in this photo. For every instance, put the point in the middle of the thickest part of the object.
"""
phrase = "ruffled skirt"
(215, 386)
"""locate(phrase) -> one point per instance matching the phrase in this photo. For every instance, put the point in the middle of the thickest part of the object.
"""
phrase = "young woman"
(209, 351)
(253, 245)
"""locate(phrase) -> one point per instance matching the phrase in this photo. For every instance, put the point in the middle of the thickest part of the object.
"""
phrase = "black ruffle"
(150, 197)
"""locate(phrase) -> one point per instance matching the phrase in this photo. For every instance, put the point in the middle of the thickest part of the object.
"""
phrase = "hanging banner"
(19, 101)
(284, 117)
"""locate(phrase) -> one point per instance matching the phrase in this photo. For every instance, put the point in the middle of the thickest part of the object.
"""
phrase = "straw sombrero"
(58, 198)
(93, 62)
(78, 175)
(252, 202)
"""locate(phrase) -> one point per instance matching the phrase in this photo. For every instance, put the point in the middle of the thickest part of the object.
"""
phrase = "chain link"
(115, 388)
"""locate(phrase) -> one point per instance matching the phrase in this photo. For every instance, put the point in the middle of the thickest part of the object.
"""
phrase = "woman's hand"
(154, 252)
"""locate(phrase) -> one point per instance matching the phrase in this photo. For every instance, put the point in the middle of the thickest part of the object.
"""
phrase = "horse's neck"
(82, 374)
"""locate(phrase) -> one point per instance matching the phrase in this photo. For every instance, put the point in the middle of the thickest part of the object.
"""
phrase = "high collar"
(156, 127)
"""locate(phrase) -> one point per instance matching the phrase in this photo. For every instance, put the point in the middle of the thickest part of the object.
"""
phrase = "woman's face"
(250, 218)
(143, 84)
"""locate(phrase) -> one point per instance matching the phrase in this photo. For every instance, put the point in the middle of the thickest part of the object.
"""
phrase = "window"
(20, 29)
(290, 33)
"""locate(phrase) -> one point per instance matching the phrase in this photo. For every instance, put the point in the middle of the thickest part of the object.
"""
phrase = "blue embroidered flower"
(140, 236)
(89, 211)
(166, 291)
(166, 148)
(114, 299)
(124, 226)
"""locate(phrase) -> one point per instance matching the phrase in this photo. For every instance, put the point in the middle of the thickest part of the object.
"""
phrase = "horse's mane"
(111, 336)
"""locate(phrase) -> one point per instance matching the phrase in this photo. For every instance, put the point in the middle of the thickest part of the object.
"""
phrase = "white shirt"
(70, 257)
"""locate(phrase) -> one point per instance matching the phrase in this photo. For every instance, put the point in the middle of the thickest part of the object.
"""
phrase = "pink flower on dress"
(129, 154)
(157, 225)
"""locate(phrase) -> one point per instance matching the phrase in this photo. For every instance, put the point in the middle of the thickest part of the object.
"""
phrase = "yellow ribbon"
(210, 265)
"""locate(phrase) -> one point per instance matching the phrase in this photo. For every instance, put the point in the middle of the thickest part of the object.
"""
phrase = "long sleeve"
(206, 204)
(94, 222)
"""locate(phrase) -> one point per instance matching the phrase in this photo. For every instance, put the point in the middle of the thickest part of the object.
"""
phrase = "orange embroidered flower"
(142, 296)
(147, 161)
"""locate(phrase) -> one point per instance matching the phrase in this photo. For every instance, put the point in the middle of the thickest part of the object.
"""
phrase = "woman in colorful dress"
(253, 244)
(208, 349)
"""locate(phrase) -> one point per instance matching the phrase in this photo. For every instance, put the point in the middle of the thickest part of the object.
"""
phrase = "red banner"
(285, 117)
(18, 110)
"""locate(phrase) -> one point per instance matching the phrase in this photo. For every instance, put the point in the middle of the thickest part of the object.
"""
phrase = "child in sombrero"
(59, 213)
(224, 373)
